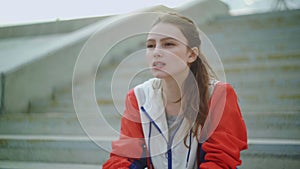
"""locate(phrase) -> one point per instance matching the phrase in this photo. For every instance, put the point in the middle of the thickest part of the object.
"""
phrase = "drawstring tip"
(143, 109)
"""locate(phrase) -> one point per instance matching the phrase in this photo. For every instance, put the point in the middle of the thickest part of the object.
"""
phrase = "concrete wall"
(36, 76)
(47, 28)
(37, 79)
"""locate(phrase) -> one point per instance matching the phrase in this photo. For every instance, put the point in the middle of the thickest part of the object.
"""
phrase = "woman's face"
(167, 52)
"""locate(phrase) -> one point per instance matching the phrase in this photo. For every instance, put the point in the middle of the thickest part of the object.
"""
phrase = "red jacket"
(219, 150)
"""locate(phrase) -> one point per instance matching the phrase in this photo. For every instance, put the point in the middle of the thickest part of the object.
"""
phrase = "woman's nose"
(157, 52)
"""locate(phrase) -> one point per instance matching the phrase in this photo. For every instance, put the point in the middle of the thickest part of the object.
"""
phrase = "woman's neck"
(172, 87)
(171, 90)
(172, 95)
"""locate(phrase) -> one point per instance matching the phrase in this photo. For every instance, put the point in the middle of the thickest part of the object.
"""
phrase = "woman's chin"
(159, 74)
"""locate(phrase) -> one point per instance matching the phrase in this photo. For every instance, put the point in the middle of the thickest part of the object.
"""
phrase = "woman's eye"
(150, 46)
(169, 44)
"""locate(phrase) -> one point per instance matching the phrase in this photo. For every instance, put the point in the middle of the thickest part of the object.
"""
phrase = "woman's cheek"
(149, 59)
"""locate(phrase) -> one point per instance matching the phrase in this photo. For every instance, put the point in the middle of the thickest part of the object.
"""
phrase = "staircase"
(261, 57)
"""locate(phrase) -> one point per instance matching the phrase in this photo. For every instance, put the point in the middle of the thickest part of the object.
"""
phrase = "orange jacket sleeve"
(222, 148)
(129, 151)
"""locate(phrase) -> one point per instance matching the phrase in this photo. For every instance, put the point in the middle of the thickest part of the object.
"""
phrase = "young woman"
(184, 117)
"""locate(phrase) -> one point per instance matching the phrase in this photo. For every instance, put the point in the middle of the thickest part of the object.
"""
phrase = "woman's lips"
(158, 65)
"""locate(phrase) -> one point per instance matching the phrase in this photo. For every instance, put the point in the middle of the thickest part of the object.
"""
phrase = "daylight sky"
(14, 12)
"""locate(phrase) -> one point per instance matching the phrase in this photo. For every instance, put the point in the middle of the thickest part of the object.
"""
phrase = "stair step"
(42, 106)
(271, 153)
(264, 79)
(260, 66)
(258, 21)
(81, 150)
(263, 161)
(269, 95)
(231, 32)
(276, 125)
(273, 117)
(41, 165)
(267, 107)
(259, 35)
(58, 123)
(57, 149)
(287, 147)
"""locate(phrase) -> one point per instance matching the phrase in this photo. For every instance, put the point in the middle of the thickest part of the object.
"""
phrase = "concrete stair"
(62, 141)
(271, 153)
(264, 75)
(39, 165)
(53, 149)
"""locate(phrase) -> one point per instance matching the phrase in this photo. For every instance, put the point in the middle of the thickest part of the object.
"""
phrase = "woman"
(182, 118)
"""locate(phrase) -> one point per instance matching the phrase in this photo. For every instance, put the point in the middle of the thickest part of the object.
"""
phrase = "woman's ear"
(193, 54)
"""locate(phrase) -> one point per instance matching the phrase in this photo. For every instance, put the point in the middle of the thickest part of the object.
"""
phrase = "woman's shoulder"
(142, 90)
(153, 82)
(217, 87)
(147, 86)
(215, 82)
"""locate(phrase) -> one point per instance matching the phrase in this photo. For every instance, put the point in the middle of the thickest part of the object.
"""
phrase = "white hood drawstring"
(169, 143)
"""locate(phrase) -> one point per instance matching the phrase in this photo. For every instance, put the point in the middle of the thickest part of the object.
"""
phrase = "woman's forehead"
(165, 31)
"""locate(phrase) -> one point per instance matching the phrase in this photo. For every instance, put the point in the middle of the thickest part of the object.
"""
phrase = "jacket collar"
(156, 110)
(154, 105)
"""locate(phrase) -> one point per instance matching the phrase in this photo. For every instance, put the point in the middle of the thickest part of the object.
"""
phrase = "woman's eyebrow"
(150, 40)
(164, 39)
